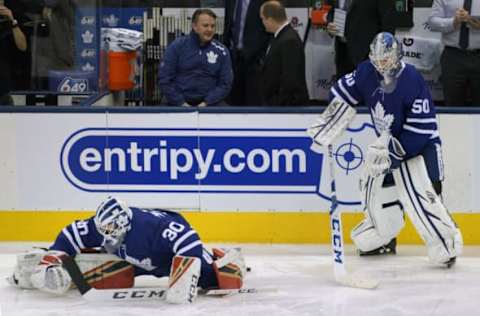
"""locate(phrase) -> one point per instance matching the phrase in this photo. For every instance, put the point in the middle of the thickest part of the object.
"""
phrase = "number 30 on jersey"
(171, 233)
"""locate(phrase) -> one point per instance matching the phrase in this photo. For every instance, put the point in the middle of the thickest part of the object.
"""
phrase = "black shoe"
(451, 262)
(388, 249)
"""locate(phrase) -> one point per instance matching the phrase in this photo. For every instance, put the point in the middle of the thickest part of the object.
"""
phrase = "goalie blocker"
(331, 123)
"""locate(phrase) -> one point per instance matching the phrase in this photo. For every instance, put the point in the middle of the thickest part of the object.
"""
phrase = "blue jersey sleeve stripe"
(70, 239)
(346, 93)
(188, 247)
(338, 95)
(207, 256)
(78, 239)
(182, 239)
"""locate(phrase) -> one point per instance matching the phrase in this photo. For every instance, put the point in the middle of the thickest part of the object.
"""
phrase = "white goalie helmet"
(113, 220)
(385, 54)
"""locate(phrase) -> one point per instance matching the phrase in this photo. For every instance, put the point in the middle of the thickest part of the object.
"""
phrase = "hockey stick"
(340, 272)
(135, 294)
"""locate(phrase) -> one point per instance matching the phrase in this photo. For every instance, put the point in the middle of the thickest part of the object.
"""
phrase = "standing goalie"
(403, 167)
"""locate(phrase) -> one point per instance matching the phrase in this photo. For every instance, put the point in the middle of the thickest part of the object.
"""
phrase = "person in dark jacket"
(364, 20)
(283, 72)
(247, 40)
(196, 69)
(13, 42)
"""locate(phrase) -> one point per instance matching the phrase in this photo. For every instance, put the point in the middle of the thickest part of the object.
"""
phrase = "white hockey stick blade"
(360, 283)
(238, 291)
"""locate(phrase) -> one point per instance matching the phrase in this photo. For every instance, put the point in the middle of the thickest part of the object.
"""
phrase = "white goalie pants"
(413, 192)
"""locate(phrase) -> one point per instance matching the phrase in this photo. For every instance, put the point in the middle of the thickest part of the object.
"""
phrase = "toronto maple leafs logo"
(88, 67)
(212, 57)
(87, 37)
(382, 121)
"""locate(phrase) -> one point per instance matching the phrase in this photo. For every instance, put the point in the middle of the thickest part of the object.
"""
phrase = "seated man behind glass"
(196, 69)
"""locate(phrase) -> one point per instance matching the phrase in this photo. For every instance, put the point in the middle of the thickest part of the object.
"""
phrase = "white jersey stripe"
(344, 91)
(188, 247)
(335, 93)
(78, 239)
(182, 239)
(421, 120)
(70, 239)
(418, 130)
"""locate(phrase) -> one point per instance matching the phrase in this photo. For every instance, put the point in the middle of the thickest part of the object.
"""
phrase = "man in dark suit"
(283, 72)
(364, 20)
(247, 40)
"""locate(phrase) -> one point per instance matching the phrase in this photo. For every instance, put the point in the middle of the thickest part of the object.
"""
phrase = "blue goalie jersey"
(407, 112)
(155, 237)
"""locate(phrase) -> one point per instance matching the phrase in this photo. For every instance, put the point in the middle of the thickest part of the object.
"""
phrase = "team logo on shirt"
(212, 57)
(382, 121)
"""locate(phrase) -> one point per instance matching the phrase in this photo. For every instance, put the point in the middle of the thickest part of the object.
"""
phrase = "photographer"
(12, 41)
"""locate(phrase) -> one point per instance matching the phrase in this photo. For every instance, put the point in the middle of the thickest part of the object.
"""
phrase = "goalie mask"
(385, 55)
(112, 220)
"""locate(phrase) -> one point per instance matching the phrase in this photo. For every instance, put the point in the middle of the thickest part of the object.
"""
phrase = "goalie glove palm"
(50, 276)
(385, 153)
(377, 160)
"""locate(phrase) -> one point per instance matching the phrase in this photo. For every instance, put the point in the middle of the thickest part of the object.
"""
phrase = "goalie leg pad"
(383, 216)
(229, 267)
(183, 281)
(431, 219)
(332, 122)
(117, 274)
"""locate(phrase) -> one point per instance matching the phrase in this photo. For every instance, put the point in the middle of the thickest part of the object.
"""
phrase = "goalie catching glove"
(229, 267)
(49, 275)
(382, 155)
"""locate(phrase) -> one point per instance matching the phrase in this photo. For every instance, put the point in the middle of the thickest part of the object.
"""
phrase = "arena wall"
(237, 176)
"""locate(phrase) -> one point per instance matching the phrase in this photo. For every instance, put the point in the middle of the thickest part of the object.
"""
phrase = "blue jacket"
(193, 72)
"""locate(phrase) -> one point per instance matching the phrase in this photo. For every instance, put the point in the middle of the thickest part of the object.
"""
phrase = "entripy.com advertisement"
(191, 160)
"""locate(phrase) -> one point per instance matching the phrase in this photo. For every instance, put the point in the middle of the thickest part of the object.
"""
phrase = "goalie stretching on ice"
(150, 241)
(403, 168)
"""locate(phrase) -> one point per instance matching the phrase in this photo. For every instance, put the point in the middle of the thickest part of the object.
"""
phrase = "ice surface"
(304, 279)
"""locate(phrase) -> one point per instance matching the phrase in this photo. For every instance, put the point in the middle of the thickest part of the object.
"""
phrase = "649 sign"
(73, 85)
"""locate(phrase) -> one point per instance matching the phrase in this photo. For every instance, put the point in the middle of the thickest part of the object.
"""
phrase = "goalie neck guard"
(113, 220)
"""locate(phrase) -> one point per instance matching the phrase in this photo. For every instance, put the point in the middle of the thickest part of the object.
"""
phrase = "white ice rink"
(303, 276)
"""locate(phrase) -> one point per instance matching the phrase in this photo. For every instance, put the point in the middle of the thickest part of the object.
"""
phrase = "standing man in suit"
(460, 59)
(283, 72)
(364, 20)
(247, 41)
